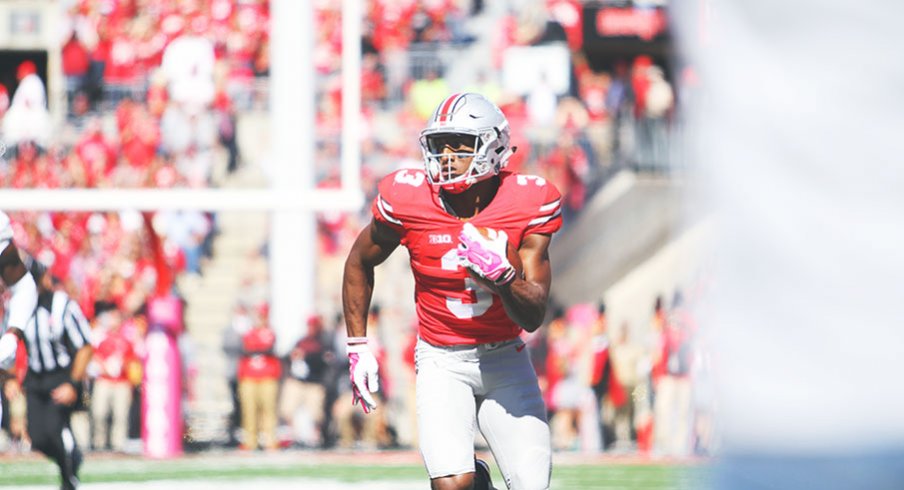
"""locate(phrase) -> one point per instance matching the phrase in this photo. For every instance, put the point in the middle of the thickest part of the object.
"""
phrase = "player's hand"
(11, 389)
(65, 394)
(363, 373)
(485, 255)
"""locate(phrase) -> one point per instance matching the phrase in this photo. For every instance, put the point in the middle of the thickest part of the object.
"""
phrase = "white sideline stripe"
(380, 205)
(195, 199)
(550, 206)
(244, 484)
(544, 219)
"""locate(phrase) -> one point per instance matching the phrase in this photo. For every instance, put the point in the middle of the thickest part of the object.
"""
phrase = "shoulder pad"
(400, 193)
(541, 200)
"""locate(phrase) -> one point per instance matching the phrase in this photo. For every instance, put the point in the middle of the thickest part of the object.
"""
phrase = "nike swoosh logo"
(520, 347)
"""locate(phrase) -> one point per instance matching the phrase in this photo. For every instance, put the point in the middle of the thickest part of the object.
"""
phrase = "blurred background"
(179, 94)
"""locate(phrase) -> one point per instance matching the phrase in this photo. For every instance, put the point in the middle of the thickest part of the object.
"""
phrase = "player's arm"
(11, 267)
(373, 246)
(80, 364)
(68, 393)
(77, 336)
(526, 297)
(22, 301)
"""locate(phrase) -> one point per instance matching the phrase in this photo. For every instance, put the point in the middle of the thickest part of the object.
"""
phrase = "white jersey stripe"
(550, 206)
(544, 219)
(382, 205)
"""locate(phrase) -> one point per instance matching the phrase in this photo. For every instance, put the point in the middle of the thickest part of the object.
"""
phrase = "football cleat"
(482, 479)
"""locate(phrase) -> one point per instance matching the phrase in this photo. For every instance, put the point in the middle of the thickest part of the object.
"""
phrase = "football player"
(458, 218)
(23, 296)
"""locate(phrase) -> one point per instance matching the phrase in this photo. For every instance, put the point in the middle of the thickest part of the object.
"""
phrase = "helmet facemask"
(441, 147)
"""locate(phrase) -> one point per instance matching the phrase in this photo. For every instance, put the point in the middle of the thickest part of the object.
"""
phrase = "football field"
(329, 471)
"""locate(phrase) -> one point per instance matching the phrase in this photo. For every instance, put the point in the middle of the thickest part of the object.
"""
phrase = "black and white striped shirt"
(56, 331)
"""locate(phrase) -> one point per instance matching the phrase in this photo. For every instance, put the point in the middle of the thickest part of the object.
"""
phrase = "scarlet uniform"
(452, 309)
(473, 371)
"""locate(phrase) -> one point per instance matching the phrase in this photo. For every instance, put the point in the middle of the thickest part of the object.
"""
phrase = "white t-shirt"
(6, 231)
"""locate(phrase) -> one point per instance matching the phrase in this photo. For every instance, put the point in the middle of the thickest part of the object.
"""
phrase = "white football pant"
(492, 387)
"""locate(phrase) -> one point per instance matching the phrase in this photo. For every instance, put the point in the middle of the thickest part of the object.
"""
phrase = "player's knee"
(534, 477)
(40, 440)
(523, 484)
(48, 446)
(454, 482)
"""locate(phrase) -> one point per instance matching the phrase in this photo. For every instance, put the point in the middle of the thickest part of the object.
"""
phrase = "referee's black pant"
(48, 424)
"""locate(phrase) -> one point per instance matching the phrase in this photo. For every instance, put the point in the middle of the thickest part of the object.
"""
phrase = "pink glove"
(485, 255)
(363, 373)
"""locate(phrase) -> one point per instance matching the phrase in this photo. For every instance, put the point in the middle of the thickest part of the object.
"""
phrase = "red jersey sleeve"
(399, 194)
(547, 212)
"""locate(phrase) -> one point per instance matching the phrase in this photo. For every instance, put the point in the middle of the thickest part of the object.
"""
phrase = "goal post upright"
(352, 17)
(292, 113)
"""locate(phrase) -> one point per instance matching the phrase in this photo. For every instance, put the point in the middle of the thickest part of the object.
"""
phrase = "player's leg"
(38, 417)
(290, 398)
(269, 391)
(512, 418)
(48, 425)
(344, 415)
(314, 400)
(446, 418)
(121, 399)
(70, 457)
(101, 403)
(247, 397)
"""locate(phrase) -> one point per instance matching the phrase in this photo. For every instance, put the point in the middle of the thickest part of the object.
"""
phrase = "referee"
(59, 349)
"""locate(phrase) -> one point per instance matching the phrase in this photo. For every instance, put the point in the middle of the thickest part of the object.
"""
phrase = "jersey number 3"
(484, 298)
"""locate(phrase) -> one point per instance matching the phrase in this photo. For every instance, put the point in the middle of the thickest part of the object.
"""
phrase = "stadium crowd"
(154, 92)
(619, 388)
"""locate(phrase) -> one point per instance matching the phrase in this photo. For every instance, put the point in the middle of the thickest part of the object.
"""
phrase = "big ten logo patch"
(436, 239)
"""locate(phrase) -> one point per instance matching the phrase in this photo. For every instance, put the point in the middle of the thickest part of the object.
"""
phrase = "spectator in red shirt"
(96, 153)
(672, 403)
(258, 374)
(4, 100)
(121, 67)
(112, 393)
(567, 165)
(76, 61)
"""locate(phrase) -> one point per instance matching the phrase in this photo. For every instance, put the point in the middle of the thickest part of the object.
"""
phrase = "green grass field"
(362, 470)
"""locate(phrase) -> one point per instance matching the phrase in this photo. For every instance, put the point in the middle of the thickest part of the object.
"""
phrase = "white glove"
(8, 345)
(486, 255)
(363, 373)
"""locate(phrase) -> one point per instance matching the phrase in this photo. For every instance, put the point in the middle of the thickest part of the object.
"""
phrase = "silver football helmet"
(465, 120)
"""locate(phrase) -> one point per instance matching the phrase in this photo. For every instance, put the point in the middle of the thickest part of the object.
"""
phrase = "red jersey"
(451, 308)
(113, 354)
(259, 364)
